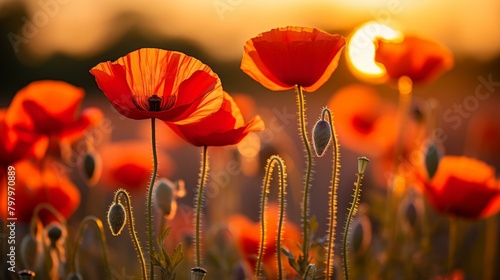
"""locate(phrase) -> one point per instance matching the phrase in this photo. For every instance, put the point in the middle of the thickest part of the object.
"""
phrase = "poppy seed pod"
(432, 158)
(116, 218)
(362, 164)
(322, 137)
(198, 273)
(164, 196)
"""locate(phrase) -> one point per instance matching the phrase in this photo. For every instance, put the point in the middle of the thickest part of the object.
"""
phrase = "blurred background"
(64, 39)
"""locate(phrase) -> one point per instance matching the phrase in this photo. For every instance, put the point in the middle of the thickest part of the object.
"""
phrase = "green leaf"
(178, 255)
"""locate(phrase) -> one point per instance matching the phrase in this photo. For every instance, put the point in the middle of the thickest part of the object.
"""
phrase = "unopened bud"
(164, 195)
(322, 137)
(31, 251)
(55, 232)
(432, 158)
(116, 218)
(26, 275)
(92, 167)
(362, 163)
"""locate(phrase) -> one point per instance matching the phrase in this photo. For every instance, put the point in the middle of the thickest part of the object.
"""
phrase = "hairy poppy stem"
(150, 195)
(305, 202)
(333, 195)
(362, 162)
(131, 228)
(199, 203)
(273, 160)
(102, 237)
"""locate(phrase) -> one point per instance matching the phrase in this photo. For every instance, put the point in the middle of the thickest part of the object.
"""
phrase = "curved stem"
(305, 201)
(333, 195)
(199, 203)
(282, 198)
(150, 195)
(83, 225)
(352, 212)
(131, 227)
(52, 210)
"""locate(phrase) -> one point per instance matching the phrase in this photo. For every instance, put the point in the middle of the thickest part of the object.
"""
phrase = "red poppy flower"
(419, 59)
(36, 184)
(464, 187)
(365, 123)
(51, 108)
(128, 165)
(225, 127)
(281, 58)
(17, 145)
(155, 83)
(246, 234)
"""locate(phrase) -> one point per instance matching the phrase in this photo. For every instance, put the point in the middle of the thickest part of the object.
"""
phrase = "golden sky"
(221, 27)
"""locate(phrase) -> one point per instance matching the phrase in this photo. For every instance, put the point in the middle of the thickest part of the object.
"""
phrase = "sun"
(361, 49)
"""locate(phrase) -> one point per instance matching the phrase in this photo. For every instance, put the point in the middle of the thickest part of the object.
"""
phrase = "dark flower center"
(154, 103)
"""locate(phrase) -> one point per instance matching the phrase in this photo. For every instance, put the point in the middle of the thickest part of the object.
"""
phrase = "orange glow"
(360, 52)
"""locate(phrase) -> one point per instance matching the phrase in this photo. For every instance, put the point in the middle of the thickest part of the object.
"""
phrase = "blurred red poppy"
(128, 165)
(225, 127)
(419, 59)
(464, 187)
(284, 57)
(246, 235)
(51, 108)
(155, 83)
(43, 182)
(17, 144)
(365, 123)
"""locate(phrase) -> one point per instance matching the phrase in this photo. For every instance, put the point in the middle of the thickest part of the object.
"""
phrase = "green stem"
(150, 195)
(133, 233)
(490, 247)
(199, 203)
(333, 195)
(282, 198)
(83, 225)
(305, 201)
(352, 212)
(452, 246)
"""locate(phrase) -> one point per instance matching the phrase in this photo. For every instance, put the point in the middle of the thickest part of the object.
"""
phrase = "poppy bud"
(26, 275)
(322, 137)
(361, 236)
(432, 158)
(198, 273)
(164, 195)
(116, 218)
(54, 232)
(91, 167)
(31, 251)
(411, 212)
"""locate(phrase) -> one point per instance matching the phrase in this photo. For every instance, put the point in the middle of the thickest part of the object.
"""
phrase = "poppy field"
(363, 152)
